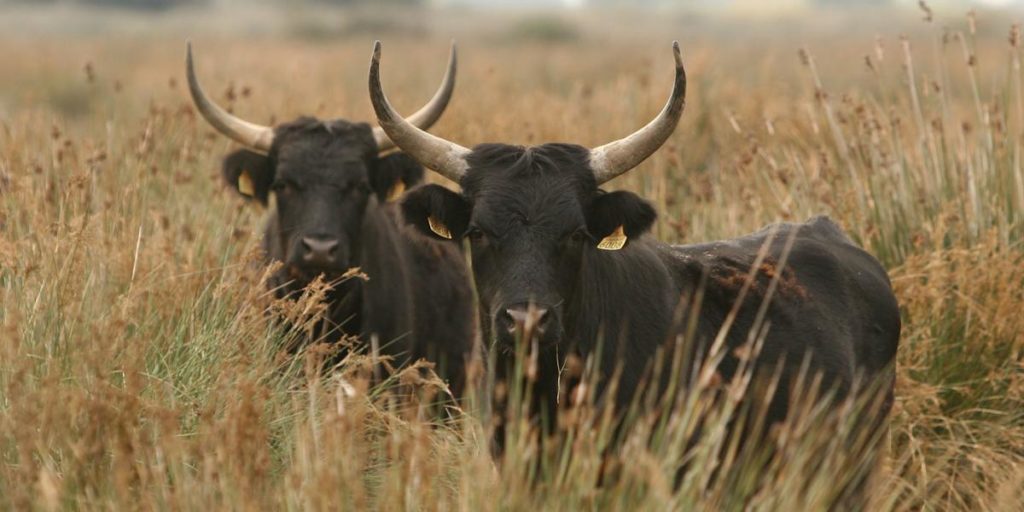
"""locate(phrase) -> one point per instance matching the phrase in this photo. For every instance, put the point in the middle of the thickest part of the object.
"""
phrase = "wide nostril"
(507, 320)
(542, 317)
(319, 249)
(526, 318)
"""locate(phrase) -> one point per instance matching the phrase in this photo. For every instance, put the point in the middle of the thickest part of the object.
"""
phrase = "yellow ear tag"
(245, 186)
(396, 191)
(614, 241)
(438, 228)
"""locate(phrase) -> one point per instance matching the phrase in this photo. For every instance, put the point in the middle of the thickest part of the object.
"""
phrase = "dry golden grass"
(138, 368)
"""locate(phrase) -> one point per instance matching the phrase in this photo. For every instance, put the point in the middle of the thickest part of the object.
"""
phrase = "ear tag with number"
(396, 191)
(438, 228)
(614, 241)
(245, 186)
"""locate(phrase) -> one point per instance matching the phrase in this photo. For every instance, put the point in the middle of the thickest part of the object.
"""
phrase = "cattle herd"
(556, 267)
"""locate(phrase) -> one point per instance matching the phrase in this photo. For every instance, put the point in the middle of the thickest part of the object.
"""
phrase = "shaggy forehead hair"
(309, 140)
(490, 162)
(544, 186)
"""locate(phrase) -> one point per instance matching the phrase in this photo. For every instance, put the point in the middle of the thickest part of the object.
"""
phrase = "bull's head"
(321, 175)
(534, 216)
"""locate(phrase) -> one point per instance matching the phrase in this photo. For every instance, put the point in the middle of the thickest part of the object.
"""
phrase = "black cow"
(557, 258)
(334, 209)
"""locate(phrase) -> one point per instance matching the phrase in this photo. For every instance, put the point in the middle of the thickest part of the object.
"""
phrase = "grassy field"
(139, 369)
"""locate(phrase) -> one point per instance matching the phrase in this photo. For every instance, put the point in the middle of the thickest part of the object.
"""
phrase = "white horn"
(425, 117)
(615, 158)
(255, 136)
(447, 158)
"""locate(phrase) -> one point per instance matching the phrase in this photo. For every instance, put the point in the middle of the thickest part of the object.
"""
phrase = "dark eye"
(579, 236)
(280, 186)
(475, 234)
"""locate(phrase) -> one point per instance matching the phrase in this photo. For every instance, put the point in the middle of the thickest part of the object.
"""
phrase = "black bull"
(534, 218)
(334, 210)
(562, 263)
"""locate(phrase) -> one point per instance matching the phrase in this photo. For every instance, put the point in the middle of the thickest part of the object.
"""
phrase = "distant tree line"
(363, 2)
(718, 3)
(127, 4)
(169, 4)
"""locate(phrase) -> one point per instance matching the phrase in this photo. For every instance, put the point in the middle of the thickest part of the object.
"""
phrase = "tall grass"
(139, 367)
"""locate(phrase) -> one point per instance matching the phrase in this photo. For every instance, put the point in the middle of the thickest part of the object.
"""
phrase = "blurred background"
(327, 18)
(126, 265)
(50, 44)
(531, 71)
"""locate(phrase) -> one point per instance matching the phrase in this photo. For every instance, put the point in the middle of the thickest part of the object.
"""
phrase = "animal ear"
(437, 212)
(616, 217)
(393, 174)
(249, 173)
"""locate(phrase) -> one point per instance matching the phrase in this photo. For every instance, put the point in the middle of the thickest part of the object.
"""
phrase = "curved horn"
(447, 158)
(255, 136)
(615, 158)
(425, 117)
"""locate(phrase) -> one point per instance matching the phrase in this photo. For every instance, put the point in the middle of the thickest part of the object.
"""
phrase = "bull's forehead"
(319, 159)
(543, 189)
(542, 204)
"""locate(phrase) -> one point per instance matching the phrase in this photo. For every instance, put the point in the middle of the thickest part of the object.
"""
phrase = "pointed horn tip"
(376, 50)
(190, 68)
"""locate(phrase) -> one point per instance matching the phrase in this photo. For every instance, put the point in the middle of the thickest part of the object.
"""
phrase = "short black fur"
(620, 208)
(534, 217)
(331, 214)
(257, 167)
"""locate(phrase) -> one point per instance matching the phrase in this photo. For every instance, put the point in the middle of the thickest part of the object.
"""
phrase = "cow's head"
(321, 175)
(533, 215)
